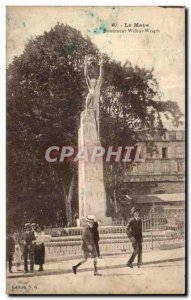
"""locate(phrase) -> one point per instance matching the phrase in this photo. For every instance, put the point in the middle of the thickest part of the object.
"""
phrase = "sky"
(162, 49)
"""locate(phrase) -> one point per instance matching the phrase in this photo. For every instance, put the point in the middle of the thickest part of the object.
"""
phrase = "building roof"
(161, 198)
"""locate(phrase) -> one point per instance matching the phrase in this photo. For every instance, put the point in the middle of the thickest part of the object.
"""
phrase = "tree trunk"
(69, 201)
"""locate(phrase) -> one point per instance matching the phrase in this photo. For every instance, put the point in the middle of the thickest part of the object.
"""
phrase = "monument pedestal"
(92, 197)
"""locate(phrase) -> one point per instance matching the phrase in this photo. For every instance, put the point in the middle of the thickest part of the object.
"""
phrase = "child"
(18, 256)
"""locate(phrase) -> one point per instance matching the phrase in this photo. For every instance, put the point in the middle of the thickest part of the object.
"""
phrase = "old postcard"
(95, 150)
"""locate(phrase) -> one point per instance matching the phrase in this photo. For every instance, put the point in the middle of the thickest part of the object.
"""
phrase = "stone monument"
(92, 197)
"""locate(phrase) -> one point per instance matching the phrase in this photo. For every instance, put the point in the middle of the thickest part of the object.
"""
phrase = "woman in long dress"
(39, 247)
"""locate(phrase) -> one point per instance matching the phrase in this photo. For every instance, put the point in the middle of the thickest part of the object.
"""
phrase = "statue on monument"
(92, 196)
(94, 86)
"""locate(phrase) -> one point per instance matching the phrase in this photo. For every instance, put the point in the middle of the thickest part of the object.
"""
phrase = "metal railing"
(158, 231)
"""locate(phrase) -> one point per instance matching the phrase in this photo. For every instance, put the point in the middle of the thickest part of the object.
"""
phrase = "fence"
(158, 231)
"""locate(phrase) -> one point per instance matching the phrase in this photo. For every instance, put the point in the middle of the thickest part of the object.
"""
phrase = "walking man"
(88, 245)
(134, 232)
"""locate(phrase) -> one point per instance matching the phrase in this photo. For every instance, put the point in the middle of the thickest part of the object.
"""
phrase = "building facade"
(163, 171)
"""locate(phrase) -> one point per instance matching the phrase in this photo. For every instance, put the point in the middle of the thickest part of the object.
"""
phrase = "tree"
(46, 93)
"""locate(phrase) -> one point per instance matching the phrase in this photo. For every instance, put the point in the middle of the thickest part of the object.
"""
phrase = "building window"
(165, 168)
(179, 152)
(164, 152)
(166, 136)
(180, 167)
(175, 166)
(150, 168)
(178, 135)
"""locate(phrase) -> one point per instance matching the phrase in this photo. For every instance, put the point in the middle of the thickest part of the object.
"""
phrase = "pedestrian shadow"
(164, 266)
(122, 274)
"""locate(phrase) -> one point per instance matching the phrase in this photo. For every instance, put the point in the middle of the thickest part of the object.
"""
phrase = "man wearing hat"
(134, 232)
(28, 238)
(88, 245)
